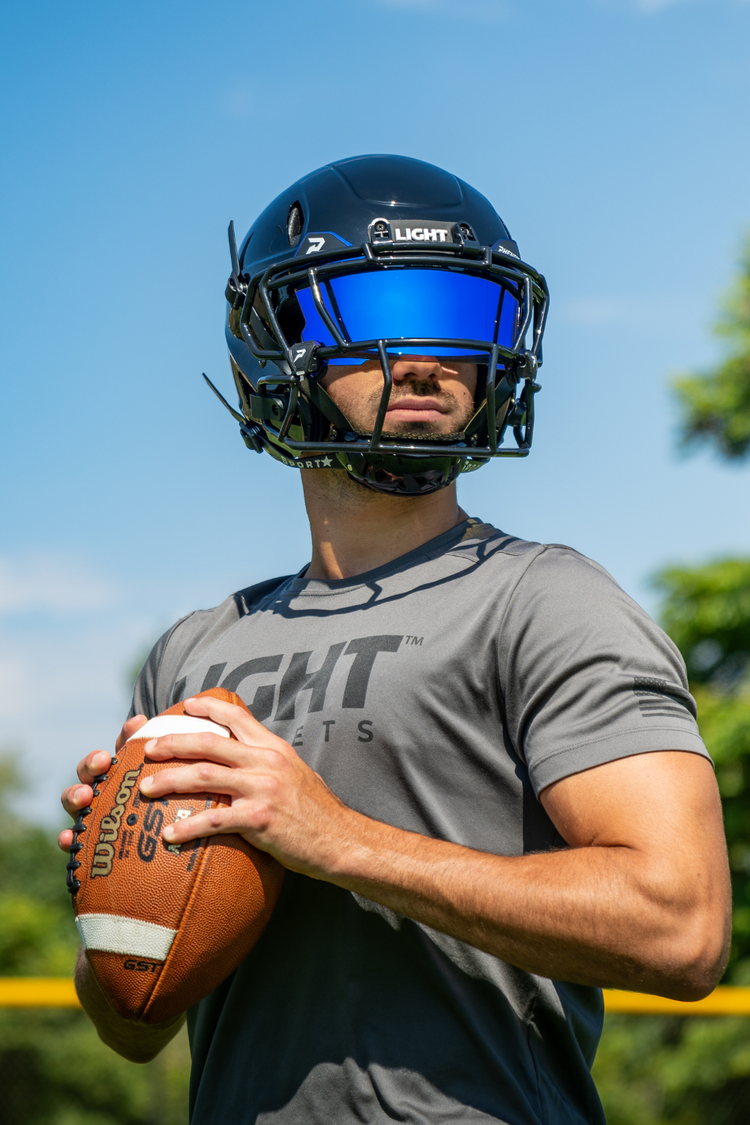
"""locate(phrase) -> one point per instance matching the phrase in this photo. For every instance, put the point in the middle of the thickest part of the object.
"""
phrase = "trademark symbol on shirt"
(413, 640)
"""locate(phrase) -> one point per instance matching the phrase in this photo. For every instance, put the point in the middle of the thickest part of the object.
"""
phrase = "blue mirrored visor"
(413, 303)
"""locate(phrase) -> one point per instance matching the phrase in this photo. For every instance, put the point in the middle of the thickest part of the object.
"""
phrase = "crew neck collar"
(431, 548)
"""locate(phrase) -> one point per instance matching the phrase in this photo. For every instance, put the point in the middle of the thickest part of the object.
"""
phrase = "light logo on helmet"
(421, 234)
(419, 230)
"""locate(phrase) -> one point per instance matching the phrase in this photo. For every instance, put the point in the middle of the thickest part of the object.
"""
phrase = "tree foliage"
(715, 404)
(663, 1070)
(706, 611)
(697, 1071)
(654, 1071)
(36, 933)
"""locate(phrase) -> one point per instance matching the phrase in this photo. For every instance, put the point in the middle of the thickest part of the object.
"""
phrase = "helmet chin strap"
(396, 477)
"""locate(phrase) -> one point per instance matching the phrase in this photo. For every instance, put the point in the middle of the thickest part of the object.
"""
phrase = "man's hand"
(278, 803)
(77, 797)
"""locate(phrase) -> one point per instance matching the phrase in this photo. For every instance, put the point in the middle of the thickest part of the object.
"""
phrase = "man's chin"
(417, 431)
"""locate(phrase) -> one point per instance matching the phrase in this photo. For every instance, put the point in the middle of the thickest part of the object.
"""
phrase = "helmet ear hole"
(294, 223)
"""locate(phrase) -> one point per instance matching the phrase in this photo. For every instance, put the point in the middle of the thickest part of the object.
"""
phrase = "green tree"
(715, 404)
(706, 611)
(697, 1071)
(692, 1071)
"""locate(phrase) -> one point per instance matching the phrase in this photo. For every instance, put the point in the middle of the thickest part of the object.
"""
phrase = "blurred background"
(611, 135)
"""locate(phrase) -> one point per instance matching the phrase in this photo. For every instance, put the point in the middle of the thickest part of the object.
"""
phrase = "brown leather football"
(163, 925)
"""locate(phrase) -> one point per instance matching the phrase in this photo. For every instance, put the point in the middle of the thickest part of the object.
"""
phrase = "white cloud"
(49, 582)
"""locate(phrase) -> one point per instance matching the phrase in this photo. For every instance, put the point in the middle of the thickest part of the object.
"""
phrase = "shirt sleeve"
(153, 687)
(587, 676)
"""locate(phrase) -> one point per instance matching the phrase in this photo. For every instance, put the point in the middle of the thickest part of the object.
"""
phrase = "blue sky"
(611, 135)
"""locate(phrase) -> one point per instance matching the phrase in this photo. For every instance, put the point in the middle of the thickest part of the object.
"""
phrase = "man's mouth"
(413, 408)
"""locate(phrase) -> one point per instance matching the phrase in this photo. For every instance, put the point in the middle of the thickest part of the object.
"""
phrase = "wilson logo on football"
(104, 852)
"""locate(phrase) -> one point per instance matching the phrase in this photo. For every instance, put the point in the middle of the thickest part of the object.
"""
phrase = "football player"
(475, 755)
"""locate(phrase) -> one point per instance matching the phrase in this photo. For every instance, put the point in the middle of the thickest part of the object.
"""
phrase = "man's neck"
(355, 530)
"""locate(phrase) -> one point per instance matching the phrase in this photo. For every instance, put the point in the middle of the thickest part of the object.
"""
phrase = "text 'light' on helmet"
(381, 257)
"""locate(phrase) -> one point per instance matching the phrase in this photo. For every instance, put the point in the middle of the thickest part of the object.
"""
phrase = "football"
(163, 924)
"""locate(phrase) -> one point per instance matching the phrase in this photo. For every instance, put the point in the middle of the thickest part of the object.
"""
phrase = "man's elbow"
(697, 959)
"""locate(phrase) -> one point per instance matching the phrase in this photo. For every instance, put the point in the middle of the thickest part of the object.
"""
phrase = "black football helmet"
(381, 256)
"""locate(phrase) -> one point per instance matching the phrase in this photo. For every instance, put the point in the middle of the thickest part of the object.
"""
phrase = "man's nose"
(417, 367)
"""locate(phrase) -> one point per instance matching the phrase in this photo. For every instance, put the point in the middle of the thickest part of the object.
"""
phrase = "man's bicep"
(648, 801)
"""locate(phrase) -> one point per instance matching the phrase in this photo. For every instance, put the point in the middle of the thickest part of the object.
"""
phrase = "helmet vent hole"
(294, 224)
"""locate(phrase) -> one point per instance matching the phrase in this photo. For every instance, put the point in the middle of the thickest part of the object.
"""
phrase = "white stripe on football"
(114, 933)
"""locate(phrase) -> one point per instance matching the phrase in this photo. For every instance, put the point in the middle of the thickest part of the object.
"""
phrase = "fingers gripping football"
(278, 803)
(95, 764)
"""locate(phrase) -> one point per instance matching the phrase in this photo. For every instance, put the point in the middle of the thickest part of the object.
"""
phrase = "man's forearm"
(639, 900)
(588, 915)
(137, 1042)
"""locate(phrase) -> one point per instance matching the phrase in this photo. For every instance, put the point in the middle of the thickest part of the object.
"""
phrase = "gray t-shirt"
(439, 693)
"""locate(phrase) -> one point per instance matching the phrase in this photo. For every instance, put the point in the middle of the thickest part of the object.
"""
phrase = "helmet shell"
(337, 208)
(345, 197)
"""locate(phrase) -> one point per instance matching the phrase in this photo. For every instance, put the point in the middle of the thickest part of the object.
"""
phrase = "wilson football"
(163, 925)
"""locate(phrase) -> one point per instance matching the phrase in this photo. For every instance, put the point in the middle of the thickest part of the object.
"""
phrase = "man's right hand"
(80, 796)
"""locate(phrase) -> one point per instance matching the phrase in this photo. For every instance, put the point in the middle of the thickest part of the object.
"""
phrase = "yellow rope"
(58, 992)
